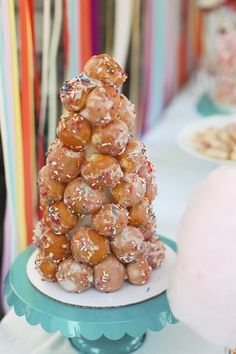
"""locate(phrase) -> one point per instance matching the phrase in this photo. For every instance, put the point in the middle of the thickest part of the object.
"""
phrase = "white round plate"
(184, 138)
(127, 295)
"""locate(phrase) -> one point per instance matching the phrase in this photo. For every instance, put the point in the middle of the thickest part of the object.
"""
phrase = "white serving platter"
(127, 295)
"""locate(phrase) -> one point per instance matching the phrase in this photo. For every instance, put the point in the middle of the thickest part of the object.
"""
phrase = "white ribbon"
(53, 92)
(45, 50)
(123, 20)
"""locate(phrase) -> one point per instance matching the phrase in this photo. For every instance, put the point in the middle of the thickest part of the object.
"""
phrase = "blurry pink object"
(202, 291)
(225, 85)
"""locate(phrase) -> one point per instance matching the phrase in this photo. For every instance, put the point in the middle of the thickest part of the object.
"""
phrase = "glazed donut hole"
(55, 247)
(109, 275)
(151, 191)
(39, 230)
(104, 68)
(102, 105)
(139, 214)
(110, 219)
(155, 252)
(126, 112)
(139, 272)
(59, 218)
(129, 191)
(101, 171)
(149, 229)
(49, 189)
(73, 93)
(147, 172)
(88, 246)
(44, 203)
(74, 276)
(74, 131)
(128, 245)
(112, 138)
(133, 158)
(80, 198)
(64, 164)
(46, 267)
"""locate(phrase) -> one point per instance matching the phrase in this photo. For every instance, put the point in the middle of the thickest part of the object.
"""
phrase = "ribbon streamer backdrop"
(15, 238)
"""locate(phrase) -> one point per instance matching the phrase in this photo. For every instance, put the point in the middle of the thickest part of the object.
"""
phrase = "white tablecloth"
(18, 337)
(177, 174)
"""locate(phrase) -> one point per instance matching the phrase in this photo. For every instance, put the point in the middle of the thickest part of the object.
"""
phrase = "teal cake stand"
(90, 330)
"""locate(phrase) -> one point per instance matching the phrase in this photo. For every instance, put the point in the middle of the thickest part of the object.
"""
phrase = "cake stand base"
(115, 330)
(103, 345)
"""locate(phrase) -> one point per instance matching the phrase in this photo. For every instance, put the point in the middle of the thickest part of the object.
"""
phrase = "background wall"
(158, 42)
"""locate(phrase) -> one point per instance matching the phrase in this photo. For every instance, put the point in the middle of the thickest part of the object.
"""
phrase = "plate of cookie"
(213, 140)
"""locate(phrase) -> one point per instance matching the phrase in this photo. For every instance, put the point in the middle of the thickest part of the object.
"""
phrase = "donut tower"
(96, 189)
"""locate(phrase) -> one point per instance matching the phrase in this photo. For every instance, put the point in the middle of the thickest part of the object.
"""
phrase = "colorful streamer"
(27, 111)
(66, 36)
(135, 62)
(109, 33)
(157, 93)
(53, 51)
(36, 71)
(73, 11)
(15, 239)
(95, 27)
(85, 30)
(39, 137)
(20, 202)
(7, 256)
(10, 229)
(147, 69)
(171, 50)
(183, 56)
(45, 64)
(122, 30)
(199, 30)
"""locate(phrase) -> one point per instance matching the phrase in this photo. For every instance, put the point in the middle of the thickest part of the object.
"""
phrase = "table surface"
(177, 175)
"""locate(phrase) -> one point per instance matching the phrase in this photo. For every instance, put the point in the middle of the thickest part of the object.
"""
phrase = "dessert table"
(177, 174)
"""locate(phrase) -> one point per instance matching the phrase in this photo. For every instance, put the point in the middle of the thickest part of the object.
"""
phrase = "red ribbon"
(36, 85)
(85, 30)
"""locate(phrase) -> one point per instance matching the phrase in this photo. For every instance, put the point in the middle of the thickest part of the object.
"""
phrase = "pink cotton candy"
(202, 291)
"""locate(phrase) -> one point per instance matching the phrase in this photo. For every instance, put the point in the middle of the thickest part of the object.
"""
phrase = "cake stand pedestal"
(90, 330)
